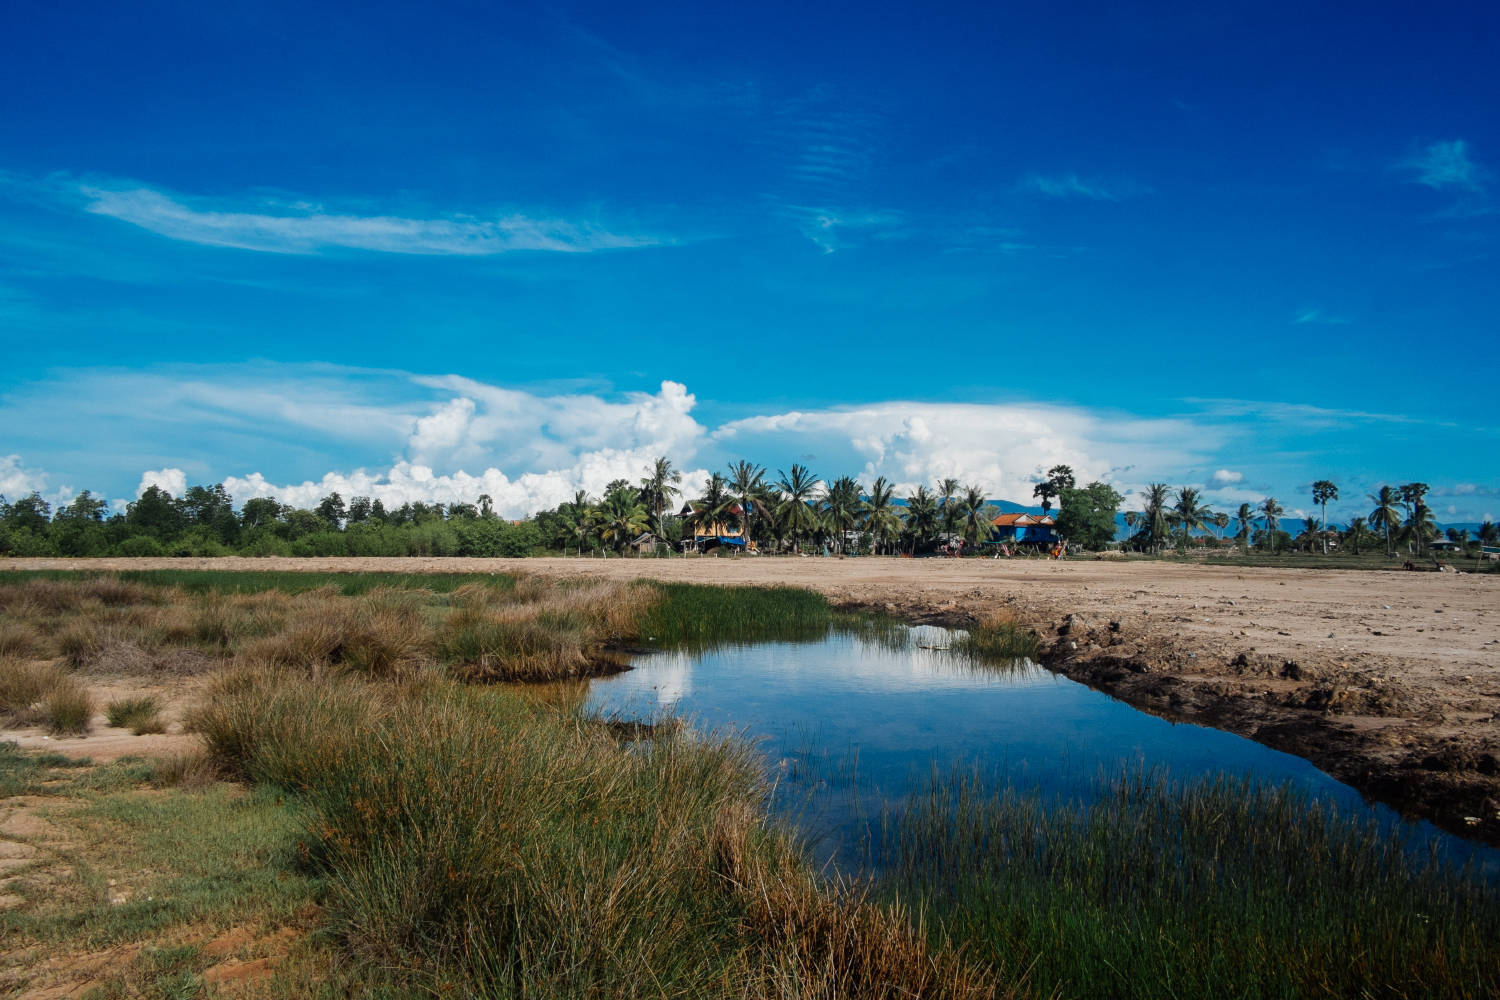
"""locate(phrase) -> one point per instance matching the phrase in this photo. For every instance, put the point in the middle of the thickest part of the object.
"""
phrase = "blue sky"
(441, 249)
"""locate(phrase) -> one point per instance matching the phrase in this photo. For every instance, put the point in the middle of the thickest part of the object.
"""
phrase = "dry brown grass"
(23, 687)
(19, 639)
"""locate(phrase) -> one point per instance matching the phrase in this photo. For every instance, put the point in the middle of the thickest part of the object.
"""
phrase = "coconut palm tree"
(715, 510)
(658, 489)
(795, 515)
(882, 518)
(622, 517)
(1270, 512)
(577, 521)
(974, 516)
(1489, 533)
(1420, 526)
(748, 484)
(921, 517)
(1191, 512)
(841, 508)
(1155, 520)
(1246, 516)
(1385, 517)
(947, 491)
(1357, 533)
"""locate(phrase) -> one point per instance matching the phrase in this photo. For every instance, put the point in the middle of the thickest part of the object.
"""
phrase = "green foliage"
(1217, 886)
(1087, 515)
(692, 615)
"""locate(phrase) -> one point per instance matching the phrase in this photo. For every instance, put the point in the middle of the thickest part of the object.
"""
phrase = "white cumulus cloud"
(174, 481)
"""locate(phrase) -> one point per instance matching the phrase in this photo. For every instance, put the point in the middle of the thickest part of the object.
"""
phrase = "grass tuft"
(23, 687)
(68, 708)
(999, 635)
(139, 715)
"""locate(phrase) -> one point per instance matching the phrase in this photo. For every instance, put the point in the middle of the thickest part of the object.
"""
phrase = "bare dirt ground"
(1389, 681)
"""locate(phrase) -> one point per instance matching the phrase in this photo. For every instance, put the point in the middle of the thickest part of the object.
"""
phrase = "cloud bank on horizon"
(451, 438)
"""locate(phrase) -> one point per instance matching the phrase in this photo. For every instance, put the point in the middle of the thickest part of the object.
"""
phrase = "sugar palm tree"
(1191, 512)
(1246, 516)
(921, 517)
(841, 508)
(794, 511)
(1221, 521)
(748, 484)
(974, 515)
(1270, 512)
(1385, 517)
(658, 489)
(1131, 517)
(882, 518)
(1323, 491)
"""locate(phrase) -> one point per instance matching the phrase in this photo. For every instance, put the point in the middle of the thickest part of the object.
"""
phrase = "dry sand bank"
(1389, 681)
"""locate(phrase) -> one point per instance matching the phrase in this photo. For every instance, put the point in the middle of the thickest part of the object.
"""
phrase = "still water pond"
(851, 721)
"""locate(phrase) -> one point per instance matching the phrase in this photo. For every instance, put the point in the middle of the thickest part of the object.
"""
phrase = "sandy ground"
(1387, 680)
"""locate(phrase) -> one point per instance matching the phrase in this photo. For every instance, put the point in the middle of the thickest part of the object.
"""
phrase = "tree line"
(782, 514)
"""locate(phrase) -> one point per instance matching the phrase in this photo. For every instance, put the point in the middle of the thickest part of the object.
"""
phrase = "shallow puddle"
(848, 722)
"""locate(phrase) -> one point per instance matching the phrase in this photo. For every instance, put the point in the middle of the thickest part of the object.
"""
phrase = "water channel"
(850, 721)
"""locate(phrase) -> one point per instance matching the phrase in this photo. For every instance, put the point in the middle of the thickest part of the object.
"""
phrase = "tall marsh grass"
(483, 844)
(1212, 887)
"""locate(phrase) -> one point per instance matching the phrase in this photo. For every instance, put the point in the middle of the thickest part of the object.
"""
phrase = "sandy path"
(1387, 680)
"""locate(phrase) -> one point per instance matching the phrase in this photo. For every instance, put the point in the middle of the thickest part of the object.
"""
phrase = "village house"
(1024, 529)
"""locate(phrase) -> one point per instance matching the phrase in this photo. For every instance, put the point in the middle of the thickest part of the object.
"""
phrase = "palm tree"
(715, 510)
(623, 517)
(1190, 512)
(577, 520)
(748, 484)
(1221, 521)
(1489, 533)
(1271, 511)
(1155, 519)
(841, 508)
(1385, 515)
(947, 492)
(881, 517)
(794, 512)
(1246, 516)
(973, 515)
(1310, 533)
(1357, 532)
(1420, 526)
(658, 489)
(921, 517)
(1323, 491)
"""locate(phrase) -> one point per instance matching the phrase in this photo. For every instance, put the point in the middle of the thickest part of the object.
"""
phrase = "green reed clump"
(139, 715)
(694, 614)
(1220, 886)
(999, 636)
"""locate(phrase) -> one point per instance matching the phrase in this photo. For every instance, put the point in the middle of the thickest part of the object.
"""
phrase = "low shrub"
(191, 772)
(68, 708)
(139, 715)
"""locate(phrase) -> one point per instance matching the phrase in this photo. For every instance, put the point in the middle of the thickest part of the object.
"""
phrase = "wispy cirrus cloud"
(1072, 186)
(300, 228)
(1448, 165)
(1310, 315)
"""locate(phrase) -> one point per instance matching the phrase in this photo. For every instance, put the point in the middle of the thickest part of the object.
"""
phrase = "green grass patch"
(139, 715)
(696, 615)
(1216, 887)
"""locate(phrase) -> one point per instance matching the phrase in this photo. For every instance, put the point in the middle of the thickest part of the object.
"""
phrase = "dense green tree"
(331, 510)
(156, 513)
(30, 513)
(84, 507)
(260, 512)
(1087, 516)
(360, 509)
